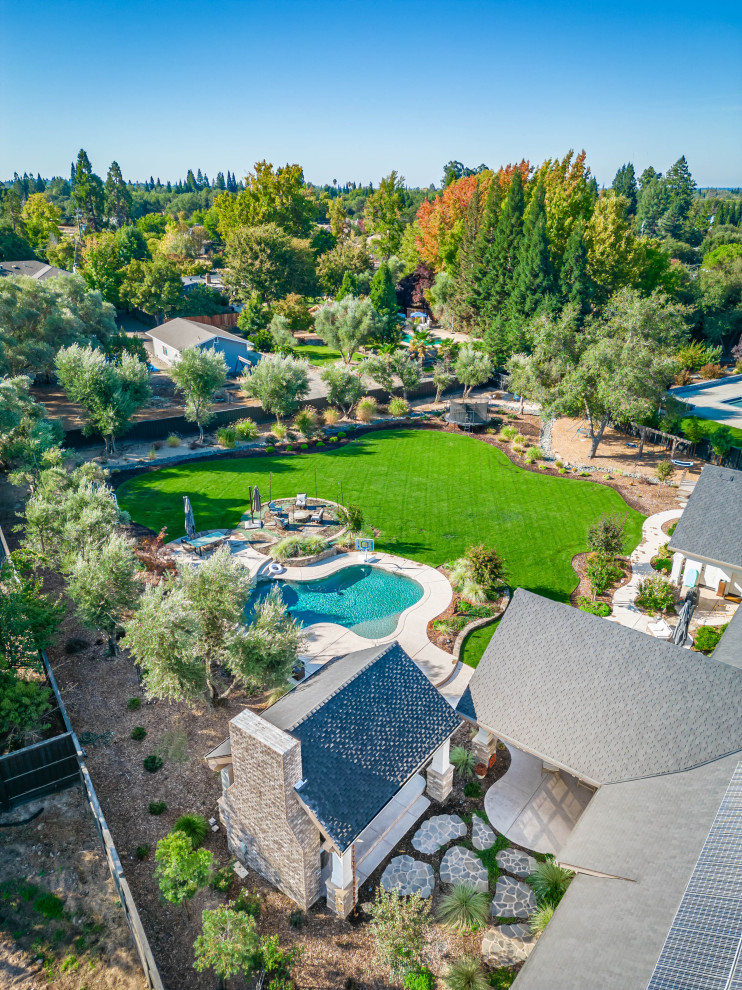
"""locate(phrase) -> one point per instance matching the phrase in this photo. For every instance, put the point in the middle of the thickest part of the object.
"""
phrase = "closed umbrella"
(190, 525)
(681, 630)
(256, 503)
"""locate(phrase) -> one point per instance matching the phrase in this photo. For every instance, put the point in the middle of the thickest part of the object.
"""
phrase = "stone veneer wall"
(261, 810)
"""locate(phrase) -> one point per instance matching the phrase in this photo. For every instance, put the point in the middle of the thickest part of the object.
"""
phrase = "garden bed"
(449, 629)
(579, 563)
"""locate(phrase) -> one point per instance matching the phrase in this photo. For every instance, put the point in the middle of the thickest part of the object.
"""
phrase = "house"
(623, 750)
(707, 541)
(323, 784)
(32, 269)
(174, 336)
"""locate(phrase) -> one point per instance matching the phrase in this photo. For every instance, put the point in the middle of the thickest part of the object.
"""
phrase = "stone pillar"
(440, 773)
(483, 746)
(340, 887)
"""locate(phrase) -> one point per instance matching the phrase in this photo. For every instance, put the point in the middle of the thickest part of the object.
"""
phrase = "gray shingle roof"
(603, 701)
(181, 333)
(33, 269)
(366, 723)
(710, 524)
(729, 649)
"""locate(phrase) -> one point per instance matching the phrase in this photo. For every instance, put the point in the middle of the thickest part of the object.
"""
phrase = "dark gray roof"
(33, 269)
(366, 723)
(181, 333)
(605, 702)
(710, 524)
(607, 933)
(729, 649)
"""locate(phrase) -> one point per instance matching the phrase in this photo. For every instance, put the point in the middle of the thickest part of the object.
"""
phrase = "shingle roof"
(181, 333)
(33, 269)
(729, 649)
(710, 524)
(603, 701)
(366, 723)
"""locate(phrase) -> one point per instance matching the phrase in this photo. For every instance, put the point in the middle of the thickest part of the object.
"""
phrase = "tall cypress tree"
(384, 297)
(624, 184)
(532, 286)
(465, 307)
(500, 260)
(575, 284)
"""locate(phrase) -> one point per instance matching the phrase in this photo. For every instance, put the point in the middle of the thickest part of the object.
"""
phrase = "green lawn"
(317, 353)
(712, 426)
(476, 643)
(430, 494)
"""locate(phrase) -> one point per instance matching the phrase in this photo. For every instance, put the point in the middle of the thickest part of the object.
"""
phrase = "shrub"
(152, 453)
(707, 638)
(138, 733)
(173, 440)
(278, 430)
(398, 407)
(662, 564)
(305, 421)
(270, 449)
(342, 435)
(503, 977)
(486, 565)
(397, 927)
(508, 432)
(152, 763)
(463, 906)
(664, 470)
(711, 371)
(157, 807)
(304, 446)
(607, 535)
(466, 974)
(296, 919)
(331, 416)
(672, 528)
(463, 760)
(351, 517)
(247, 903)
(23, 705)
(534, 454)
(419, 979)
(133, 703)
(222, 879)
(333, 440)
(472, 789)
(246, 429)
(142, 851)
(695, 355)
(655, 594)
(297, 546)
(320, 443)
(602, 571)
(226, 436)
(520, 439)
(366, 409)
(475, 611)
(49, 905)
(683, 377)
(195, 827)
(594, 608)
(550, 882)
(541, 918)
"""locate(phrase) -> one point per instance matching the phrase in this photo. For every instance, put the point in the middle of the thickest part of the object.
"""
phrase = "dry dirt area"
(61, 922)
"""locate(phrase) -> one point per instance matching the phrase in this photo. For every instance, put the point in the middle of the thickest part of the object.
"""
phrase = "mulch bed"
(579, 563)
(446, 640)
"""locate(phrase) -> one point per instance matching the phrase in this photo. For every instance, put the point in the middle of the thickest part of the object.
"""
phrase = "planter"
(480, 771)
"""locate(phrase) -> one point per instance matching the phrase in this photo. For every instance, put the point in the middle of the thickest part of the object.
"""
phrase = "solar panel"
(703, 949)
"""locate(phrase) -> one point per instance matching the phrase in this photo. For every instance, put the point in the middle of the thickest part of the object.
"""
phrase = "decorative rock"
(482, 836)
(516, 862)
(507, 945)
(460, 865)
(437, 832)
(513, 899)
(407, 875)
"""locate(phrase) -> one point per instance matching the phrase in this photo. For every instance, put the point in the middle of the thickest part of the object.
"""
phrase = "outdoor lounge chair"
(281, 523)
(301, 500)
(682, 464)
(316, 517)
(660, 630)
(201, 544)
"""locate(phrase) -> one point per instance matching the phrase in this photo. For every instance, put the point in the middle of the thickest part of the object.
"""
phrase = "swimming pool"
(368, 600)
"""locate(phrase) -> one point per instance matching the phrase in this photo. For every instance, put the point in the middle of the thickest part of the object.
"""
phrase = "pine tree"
(39, 185)
(465, 298)
(118, 197)
(533, 278)
(348, 287)
(87, 192)
(502, 257)
(169, 187)
(191, 181)
(624, 184)
(199, 179)
(574, 282)
(219, 183)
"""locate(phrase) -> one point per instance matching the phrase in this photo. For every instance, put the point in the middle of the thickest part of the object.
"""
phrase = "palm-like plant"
(447, 351)
(463, 906)
(461, 576)
(541, 918)
(420, 341)
(463, 760)
(550, 881)
(466, 974)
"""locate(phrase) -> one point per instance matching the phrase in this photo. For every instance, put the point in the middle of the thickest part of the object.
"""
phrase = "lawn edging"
(479, 624)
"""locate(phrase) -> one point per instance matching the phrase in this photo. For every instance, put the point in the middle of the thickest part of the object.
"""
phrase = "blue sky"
(352, 90)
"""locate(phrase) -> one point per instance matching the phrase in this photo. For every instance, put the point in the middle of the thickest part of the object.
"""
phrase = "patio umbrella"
(190, 525)
(681, 630)
(256, 503)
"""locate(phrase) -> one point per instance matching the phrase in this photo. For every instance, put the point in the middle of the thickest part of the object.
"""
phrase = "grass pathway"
(430, 494)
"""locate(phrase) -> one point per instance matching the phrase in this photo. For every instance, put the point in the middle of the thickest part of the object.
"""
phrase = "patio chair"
(316, 517)
(281, 523)
(660, 630)
(301, 500)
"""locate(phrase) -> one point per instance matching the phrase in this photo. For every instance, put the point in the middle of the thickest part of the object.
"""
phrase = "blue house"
(175, 336)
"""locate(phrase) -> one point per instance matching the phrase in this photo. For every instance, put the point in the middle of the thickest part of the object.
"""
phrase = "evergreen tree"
(169, 187)
(219, 183)
(118, 197)
(467, 270)
(191, 181)
(574, 282)
(533, 277)
(624, 184)
(348, 287)
(87, 192)
(39, 185)
(384, 298)
(501, 258)
(199, 178)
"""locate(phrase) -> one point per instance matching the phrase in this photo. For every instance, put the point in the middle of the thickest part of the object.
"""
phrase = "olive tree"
(181, 870)
(198, 374)
(344, 387)
(391, 370)
(347, 324)
(228, 942)
(103, 587)
(442, 378)
(279, 382)
(472, 368)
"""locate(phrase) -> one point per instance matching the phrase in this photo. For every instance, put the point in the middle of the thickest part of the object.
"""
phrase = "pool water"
(366, 599)
(734, 402)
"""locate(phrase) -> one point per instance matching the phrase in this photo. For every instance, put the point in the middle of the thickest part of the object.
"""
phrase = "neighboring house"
(211, 280)
(656, 731)
(323, 784)
(708, 537)
(32, 269)
(173, 337)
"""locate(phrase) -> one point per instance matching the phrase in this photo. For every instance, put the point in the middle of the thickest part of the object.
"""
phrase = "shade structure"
(681, 630)
(190, 525)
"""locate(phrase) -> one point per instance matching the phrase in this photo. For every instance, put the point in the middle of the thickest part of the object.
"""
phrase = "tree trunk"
(113, 646)
(597, 437)
(642, 438)
(589, 420)
(522, 403)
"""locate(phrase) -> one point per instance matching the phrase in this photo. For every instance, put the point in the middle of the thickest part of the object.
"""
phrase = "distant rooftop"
(32, 269)
(181, 333)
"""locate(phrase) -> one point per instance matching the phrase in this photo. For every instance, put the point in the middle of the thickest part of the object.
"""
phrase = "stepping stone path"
(516, 862)
(460, 865)
(437, 832)
(482, 836)
(407, 875)
(513, 899)
(507, 945)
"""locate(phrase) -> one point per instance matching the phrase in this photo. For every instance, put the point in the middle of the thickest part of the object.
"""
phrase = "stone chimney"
(267, 827)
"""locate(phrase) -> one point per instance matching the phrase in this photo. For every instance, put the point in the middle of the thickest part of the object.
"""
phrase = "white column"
(342, 868)
(677, 566)
(483, 738)
(441, 761)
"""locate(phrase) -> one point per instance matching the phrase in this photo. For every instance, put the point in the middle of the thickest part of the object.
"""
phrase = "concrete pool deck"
(712, 400)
